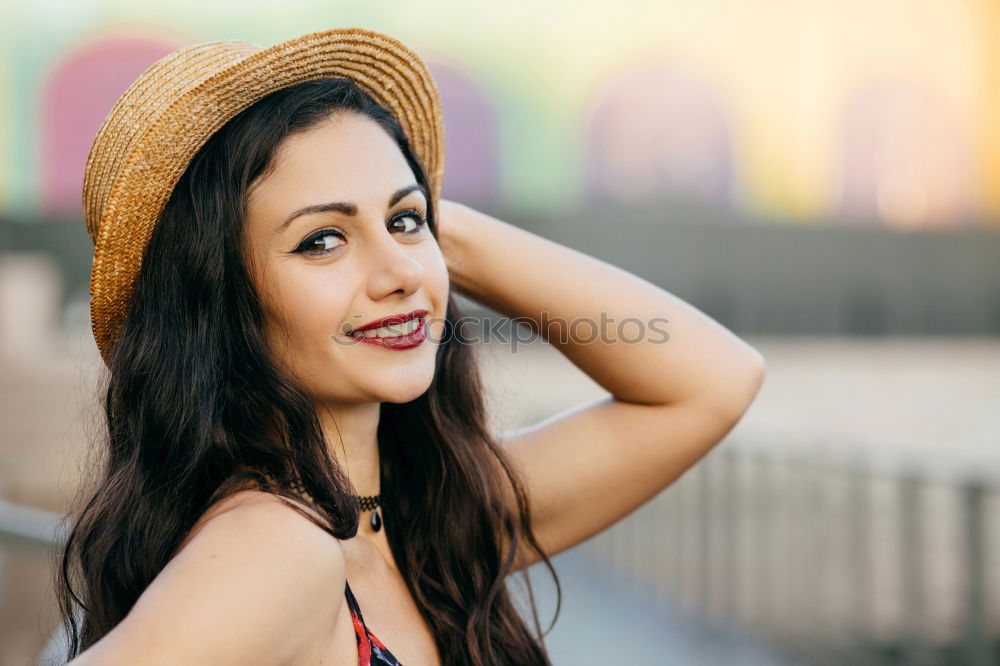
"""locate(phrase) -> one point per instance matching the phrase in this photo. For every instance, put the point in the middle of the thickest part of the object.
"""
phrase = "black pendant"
(376, 520)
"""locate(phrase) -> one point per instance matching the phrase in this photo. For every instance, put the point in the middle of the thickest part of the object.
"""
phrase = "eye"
(319, 243)
(413, 214)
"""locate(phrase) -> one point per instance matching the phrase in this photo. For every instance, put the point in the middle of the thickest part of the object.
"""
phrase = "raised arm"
(674, 393)
(257, 584)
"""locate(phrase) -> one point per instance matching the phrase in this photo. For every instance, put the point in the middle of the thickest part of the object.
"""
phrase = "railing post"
(812, 572)
(860, 563)
(729, 491)
(704, 539)
(912, 570)
(975, 645)
(764, 563)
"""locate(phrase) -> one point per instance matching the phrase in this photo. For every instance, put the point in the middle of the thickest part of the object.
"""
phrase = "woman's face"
(327, 272)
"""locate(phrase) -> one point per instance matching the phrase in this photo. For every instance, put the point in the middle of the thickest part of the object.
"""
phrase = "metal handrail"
(28, 526)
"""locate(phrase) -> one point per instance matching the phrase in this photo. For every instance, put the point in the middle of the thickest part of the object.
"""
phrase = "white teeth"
(390, 331)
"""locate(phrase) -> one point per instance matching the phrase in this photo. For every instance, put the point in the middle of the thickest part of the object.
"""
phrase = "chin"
(399, 399)
(406, 391)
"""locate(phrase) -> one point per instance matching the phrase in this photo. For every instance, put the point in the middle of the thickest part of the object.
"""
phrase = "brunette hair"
(191, 398)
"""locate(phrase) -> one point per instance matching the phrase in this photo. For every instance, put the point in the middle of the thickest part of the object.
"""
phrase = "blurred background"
(820, 176)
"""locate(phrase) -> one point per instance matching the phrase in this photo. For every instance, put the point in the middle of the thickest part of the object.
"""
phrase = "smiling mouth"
(398, 337)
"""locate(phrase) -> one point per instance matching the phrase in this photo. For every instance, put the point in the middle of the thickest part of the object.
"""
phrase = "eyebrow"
(349, 208)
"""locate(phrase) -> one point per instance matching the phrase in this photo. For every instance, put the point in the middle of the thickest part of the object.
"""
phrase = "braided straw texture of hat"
(168, 113)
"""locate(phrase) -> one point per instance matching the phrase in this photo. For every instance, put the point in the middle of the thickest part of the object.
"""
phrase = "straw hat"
(169, 112)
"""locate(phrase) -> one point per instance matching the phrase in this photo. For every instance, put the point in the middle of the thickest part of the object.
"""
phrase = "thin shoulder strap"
(361, 633)
(352, 602)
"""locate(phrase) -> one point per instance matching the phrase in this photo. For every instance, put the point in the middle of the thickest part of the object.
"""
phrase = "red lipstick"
(394, 341)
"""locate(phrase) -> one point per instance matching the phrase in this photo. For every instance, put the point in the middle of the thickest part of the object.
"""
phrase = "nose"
(391, 269)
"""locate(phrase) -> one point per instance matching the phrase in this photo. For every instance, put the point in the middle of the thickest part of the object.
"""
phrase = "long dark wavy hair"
(191, 398)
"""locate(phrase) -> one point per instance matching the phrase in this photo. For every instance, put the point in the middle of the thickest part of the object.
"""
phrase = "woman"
(257, 392)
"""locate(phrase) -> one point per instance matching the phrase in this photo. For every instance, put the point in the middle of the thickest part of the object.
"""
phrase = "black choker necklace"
(371, 502)
(367, 503)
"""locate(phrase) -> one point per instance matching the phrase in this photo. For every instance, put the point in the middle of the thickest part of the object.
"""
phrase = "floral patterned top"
(370, 649)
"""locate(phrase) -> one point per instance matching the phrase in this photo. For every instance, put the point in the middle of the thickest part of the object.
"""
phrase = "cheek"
(311, 304)
(436, 287)
(435, 270)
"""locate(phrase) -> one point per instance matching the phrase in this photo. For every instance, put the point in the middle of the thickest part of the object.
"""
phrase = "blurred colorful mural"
(820, 112)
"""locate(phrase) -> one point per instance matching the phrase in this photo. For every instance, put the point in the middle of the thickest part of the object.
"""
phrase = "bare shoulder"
(251, 502)
(241, 589)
